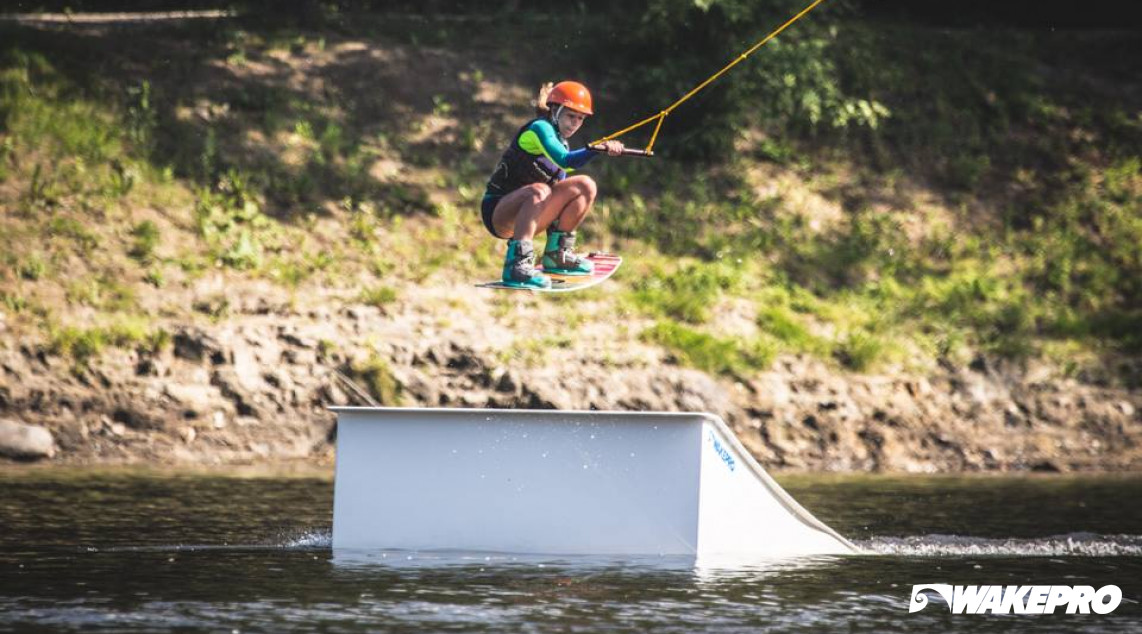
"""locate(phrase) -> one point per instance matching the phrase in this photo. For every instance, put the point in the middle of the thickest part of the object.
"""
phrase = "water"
(129, 551)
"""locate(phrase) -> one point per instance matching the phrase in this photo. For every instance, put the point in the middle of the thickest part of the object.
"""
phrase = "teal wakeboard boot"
(519, 267)
(559, 257)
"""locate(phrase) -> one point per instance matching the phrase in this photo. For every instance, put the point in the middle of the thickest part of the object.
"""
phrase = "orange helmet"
(571, 94)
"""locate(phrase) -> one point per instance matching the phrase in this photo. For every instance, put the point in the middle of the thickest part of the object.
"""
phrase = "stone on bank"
(25, 442)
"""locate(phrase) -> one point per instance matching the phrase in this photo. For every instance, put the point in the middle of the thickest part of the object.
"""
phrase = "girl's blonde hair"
(541, 109)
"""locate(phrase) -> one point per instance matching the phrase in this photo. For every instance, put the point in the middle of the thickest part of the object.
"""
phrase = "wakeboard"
(605, 266)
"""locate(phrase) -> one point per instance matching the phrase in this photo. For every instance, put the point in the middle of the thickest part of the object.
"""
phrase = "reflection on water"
(131, 551)
(702, 567)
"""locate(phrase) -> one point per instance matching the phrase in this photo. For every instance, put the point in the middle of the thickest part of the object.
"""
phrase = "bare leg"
(579, 193)
(573, 198)
(523, 212)
(525, 202)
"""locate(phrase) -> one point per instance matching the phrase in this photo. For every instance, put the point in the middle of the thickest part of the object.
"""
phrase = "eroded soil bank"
(257, 388)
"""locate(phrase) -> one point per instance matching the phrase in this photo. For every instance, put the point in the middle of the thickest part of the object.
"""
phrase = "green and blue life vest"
(537, 154)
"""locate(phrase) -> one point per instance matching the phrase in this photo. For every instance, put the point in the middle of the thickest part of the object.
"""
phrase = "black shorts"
(487, 208)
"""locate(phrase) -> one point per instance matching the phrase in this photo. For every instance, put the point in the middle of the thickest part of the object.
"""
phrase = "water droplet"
(632, 454)
(584, 466)
(592, 436)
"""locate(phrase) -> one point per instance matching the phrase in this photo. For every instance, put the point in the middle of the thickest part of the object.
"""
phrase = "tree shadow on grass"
(309, 120)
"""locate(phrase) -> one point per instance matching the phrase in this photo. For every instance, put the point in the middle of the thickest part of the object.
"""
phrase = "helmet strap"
(555, 114)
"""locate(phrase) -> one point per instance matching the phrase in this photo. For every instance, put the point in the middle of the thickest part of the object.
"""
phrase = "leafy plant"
(859, 351)
(378, 296)
(146, 235)
(377, 376)
(33, 267)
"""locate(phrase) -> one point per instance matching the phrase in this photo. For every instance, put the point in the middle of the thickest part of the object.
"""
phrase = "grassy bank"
(980, 197)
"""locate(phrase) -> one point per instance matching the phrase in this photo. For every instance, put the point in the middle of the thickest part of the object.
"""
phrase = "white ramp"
(560, 482)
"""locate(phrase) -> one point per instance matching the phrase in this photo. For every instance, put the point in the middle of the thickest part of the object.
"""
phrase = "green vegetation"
(709, 353)
(1033, 238)
(534, 352)
(83, 344)
(867, 192)
(33, 268)
(376, 375)
(687, 293)
(146, 235)
(379, 296)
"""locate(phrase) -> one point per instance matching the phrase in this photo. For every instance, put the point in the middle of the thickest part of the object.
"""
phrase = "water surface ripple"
(129, 551)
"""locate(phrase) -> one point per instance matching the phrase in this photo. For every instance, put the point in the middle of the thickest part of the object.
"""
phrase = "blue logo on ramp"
(722, 452)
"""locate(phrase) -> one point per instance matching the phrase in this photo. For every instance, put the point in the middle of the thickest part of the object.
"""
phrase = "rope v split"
(661, 116)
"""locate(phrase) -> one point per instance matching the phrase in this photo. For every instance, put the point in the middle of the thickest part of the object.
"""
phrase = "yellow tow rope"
(661, 116)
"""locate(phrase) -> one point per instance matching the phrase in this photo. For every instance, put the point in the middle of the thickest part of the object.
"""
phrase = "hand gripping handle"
(602, 149)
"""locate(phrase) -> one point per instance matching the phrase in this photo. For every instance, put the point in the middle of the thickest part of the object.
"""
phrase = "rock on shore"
(257, 388)
(25, 442)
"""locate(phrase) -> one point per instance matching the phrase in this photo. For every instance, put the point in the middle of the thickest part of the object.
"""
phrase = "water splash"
(1073, 544)
(311, 539)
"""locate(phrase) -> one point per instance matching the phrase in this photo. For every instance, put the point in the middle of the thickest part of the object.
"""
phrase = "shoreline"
(254, 391)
